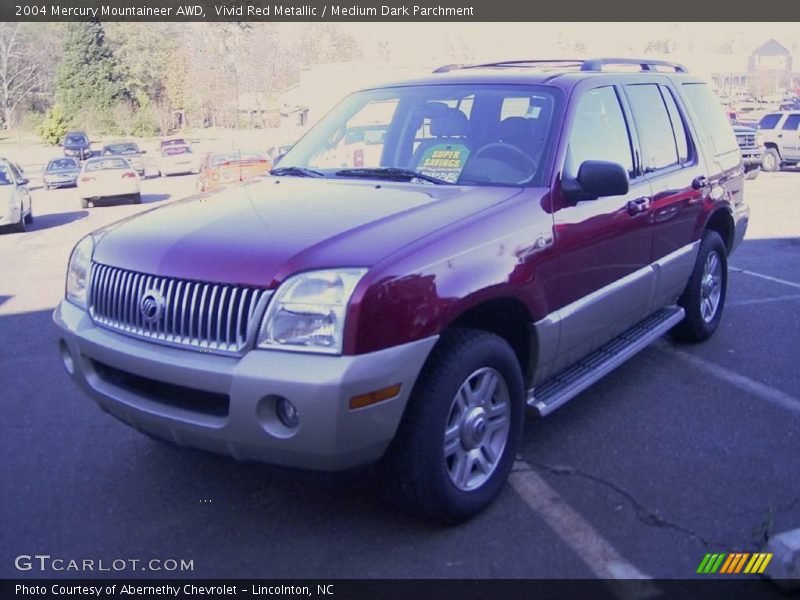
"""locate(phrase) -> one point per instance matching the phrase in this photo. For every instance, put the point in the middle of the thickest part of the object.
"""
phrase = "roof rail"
(597, 64)
(591, 64)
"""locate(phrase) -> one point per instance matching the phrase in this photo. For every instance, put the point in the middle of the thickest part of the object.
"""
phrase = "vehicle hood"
(260, 233)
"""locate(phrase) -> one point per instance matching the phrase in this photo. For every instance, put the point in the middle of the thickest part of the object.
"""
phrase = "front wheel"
(136, 198)
(771, 161)
(704, 296)
(458, 438)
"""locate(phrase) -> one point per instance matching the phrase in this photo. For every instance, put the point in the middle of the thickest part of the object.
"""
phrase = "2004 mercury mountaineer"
(433, 257)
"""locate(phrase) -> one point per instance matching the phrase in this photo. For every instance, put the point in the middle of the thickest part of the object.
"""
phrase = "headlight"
(308, 311)
(80, 262)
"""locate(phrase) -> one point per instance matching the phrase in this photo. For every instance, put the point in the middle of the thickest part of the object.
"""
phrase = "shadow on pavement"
(56, 219)
(150, 198)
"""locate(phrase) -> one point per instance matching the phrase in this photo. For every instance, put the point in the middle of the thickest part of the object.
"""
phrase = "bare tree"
(18, 71)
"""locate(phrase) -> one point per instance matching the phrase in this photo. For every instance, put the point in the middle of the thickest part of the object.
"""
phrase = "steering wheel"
(528, 164)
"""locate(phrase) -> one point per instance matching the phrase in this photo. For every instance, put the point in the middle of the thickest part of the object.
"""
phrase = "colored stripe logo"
(735, 562)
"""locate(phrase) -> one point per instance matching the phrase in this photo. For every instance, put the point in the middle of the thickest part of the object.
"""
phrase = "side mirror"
(596, 179)
(142, 151)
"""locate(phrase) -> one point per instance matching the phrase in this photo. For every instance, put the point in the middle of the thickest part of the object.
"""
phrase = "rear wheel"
(771, 161)
(458, 438)
(21, 225)
(704, 296)
(137, 198)
(84, 202)
(29, 217)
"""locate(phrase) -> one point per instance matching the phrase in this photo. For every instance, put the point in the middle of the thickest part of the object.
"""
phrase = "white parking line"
(766, 277)
(598, 554)
(762, 300)
(744, 383)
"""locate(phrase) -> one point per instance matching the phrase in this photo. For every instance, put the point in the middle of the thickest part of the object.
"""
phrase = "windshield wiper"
(389, 173)
(296, 172)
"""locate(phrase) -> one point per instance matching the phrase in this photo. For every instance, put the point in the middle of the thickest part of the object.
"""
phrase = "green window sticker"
(444, 161)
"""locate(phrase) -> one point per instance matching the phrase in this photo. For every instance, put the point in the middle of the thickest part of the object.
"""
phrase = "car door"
(604, 244)
(671, 164)
(23, 192)
(789, 137)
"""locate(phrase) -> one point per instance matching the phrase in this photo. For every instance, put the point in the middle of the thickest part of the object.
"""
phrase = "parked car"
(172, 142)
(76, 143)
(530, 226)
(751, 145)
(177, 160)
(130, 151)
(220, 169)
(781, 132)
(16, 208)
(108, 178)
(61, 172)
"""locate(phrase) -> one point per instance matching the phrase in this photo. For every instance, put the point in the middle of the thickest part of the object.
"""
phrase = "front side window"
(470, 134)
(769, 121)
(599, 132)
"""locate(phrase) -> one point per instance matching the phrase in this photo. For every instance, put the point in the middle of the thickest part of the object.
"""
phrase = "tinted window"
(599, 131)
(678, 126)
(472, 134)
(121, 149)
(107, 163)
(653, 126)
(712, 121)
(792, 122)
(62, 163)
(175, 150)
(769, 121)
(75, 139)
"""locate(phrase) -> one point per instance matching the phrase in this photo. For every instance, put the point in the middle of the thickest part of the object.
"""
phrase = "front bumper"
(59, 180)
(330, 436)
(752, 159)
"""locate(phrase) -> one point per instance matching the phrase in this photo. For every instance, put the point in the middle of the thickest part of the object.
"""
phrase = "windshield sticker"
(444, 161)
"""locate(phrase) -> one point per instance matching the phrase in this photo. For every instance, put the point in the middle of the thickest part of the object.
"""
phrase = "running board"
(562, 388)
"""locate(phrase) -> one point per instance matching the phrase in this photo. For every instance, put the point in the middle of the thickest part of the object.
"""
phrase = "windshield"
(121, 149)
(61, 164)
(5, 176)
(75, 140)
(465, 134)
(107, 163)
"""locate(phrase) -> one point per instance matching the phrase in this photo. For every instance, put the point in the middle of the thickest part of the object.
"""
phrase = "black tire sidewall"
(457, 358)
(774, 153)
(696, 328)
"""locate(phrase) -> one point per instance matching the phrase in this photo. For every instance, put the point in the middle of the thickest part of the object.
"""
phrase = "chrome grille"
(746, 140)
(203, 316)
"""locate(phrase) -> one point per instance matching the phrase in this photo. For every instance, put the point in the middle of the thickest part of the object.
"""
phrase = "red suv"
(516, 231)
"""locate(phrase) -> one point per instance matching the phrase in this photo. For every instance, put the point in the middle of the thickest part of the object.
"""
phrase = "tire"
(423, 478)
(704, 296)
(137, 198)
(750, 175)
(29, 217)
(771, 161)
(84, 203)
(22, 225)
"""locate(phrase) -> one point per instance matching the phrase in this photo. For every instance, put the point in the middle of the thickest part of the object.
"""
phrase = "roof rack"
(591, 64)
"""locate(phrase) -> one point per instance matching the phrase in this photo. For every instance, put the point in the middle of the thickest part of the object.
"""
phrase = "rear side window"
(769, 121)
(714, 125)
(599, 131)
(653, 126)
(678, 127)
(791, 123)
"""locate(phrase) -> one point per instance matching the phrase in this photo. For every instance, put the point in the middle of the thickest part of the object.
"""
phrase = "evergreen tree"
(88, 81)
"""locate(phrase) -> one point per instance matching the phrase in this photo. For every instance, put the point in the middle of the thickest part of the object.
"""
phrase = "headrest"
(449, 123)
(516, 128)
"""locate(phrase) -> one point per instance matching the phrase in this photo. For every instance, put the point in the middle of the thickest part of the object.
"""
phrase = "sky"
(697, 43)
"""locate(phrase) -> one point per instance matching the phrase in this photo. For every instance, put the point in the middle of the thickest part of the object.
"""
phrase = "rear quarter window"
(713, 124)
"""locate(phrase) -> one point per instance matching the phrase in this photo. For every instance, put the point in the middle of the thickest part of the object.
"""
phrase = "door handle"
(638, 206)
(699, 182)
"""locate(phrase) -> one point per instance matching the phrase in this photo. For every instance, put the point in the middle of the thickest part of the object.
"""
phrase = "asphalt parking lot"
(682, 451)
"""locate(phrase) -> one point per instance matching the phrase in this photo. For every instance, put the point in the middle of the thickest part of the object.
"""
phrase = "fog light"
(287, 413)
